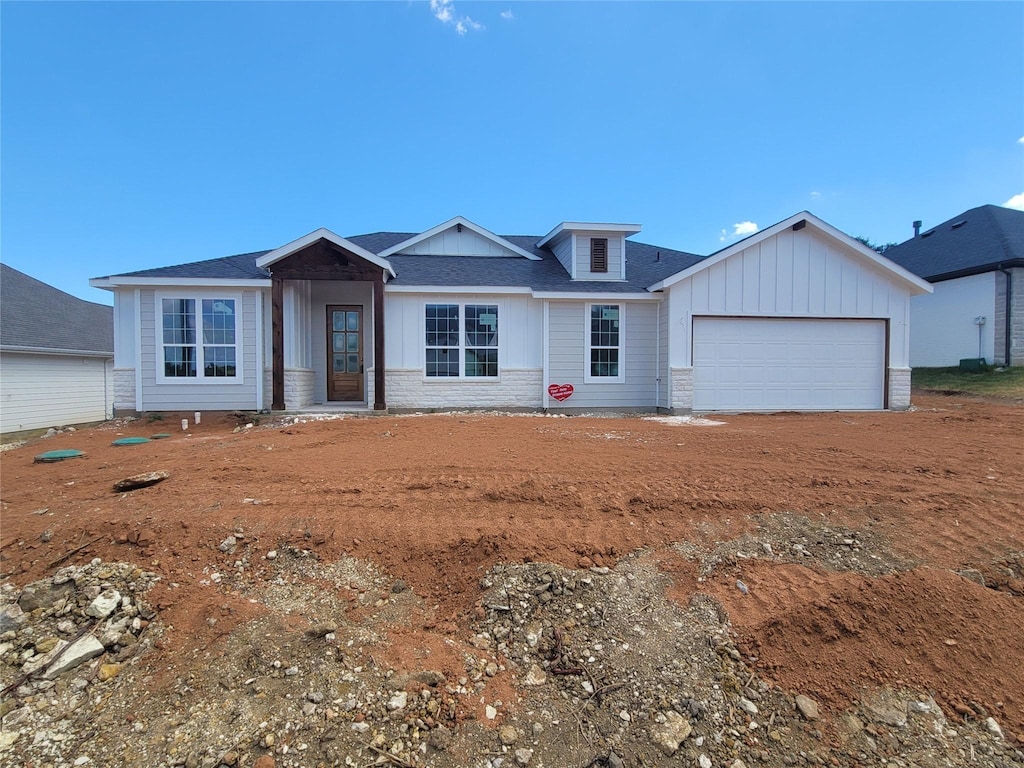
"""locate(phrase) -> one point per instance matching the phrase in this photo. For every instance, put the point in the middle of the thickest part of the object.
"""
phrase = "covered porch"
(326, 325)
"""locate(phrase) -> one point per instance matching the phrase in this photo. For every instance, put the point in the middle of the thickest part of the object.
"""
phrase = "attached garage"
(796, 364)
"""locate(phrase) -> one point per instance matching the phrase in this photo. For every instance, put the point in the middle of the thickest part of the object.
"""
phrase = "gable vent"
(599, 254)
(958, 224)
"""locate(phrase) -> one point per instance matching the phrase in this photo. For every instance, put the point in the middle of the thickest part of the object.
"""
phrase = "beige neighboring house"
(56, 356)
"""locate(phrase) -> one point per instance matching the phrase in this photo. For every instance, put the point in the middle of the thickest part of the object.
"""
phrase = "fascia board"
(110, 283)
(52, 351)
(588, 226)
(448, 289)
(595, 296)
(448, 225)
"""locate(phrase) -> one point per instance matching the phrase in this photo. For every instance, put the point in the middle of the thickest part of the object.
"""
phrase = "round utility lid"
(64, 453)
(159, 435)
(130, 440)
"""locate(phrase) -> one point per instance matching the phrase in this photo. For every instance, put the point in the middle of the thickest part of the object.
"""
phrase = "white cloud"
(815, 195)
(508, 16)
(739, 229)
(444, 11)
(1017, 202)
(1020, 140)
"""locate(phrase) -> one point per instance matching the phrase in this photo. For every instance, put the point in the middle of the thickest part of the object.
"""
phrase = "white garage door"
(768, 364)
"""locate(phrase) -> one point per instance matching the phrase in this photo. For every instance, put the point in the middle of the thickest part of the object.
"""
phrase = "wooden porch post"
(379, 402)
(277, 341)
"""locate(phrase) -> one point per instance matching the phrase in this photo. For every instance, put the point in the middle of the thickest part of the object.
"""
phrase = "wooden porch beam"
(379, 401)
(277, 341)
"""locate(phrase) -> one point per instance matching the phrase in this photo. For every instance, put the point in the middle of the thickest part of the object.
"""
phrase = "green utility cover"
(52, 456)
(160, 435)
(130, 441)
(972, 365)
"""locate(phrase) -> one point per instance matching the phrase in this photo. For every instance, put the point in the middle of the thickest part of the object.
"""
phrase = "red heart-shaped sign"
(560, 391)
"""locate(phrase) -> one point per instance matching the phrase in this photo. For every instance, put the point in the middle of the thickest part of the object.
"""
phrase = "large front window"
(605, 343)
(200, 338)
(461, 340)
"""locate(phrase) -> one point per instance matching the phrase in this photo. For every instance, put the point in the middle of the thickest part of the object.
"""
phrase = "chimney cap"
(917, 228)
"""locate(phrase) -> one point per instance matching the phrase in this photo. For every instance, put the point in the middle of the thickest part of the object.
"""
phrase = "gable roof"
(271, 257)
(798, 221)
(976, 241)
(36, 317)
(458, 221)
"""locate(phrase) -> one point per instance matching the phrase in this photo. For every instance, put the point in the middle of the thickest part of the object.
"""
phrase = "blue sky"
(136, 134)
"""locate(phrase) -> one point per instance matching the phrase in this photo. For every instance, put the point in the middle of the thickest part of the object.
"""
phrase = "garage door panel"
(788, 364)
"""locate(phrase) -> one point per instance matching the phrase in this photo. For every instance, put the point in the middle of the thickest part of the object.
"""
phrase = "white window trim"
(587, 377)
(199, 378)
(462, 342)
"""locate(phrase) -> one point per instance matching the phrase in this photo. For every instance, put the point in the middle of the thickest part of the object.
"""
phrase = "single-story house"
(976, 262)
(56, 356)
(798, 316)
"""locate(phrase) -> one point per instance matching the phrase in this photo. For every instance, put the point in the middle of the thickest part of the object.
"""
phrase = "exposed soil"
(873, 562)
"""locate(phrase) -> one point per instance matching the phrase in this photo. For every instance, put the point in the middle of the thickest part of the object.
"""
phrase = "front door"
(344, 353)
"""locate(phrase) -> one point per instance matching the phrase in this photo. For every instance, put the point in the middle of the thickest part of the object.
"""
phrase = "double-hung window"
(199, 338)
(604, 344)
(461, 340)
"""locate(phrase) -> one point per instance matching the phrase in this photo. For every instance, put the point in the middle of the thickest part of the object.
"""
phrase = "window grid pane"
(604, 340)
(179, 361)
(442, 340)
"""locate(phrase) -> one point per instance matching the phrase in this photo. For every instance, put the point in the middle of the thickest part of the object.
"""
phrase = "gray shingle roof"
(35, 315)
(644, 267)
(973, 242)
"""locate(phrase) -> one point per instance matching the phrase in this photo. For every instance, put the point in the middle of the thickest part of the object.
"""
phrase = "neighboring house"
(976, 263)
(56, 356)
(798, 317)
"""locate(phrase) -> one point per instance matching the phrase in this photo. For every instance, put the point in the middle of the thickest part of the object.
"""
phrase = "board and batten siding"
(568, 326)
(664, 370)
(616, 248)
(942, 327)
(41, 390)
(520, 328)
(791, 274)
(185, 394)
(451, 242)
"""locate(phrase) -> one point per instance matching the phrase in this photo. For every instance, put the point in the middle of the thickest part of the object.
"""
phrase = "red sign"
(560, 391)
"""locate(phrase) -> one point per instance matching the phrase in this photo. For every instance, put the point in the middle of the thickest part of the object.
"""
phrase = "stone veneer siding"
(899, 389)
(519, 388)
(681, 390)
(124, 389)
(298, 387)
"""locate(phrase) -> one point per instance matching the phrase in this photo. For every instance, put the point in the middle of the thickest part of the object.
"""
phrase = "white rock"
(993, 727)
(490, 712)
(82, 650)
(670, 734)
(704, 761)
(535, 676)
(104, 604)
(523, 756)
(748, 706)
(398, 700)
(360, 727)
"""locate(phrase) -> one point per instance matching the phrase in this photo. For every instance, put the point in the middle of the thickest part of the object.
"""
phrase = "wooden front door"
(345, 353)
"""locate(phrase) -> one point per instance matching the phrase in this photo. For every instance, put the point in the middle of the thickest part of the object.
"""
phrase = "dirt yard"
(486, 590)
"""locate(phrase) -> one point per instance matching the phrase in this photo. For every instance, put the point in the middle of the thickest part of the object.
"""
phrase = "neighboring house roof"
(542, 272)
(36, 317)
(978, 240)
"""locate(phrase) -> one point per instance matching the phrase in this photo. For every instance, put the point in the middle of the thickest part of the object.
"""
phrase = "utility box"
(973, 365)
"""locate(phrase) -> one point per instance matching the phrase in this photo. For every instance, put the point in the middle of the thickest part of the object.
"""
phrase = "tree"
(877, 247)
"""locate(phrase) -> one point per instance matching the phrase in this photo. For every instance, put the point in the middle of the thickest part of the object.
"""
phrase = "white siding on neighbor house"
(568, 324)
(616, 249)
(791, 274)
(332, 292)
(520, 329)
(160, 394)
(942, 328)
(39, 391)
(451, 242)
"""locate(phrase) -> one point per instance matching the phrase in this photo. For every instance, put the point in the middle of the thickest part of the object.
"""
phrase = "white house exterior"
(56, 356)
(975, 262)
(796, 317)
